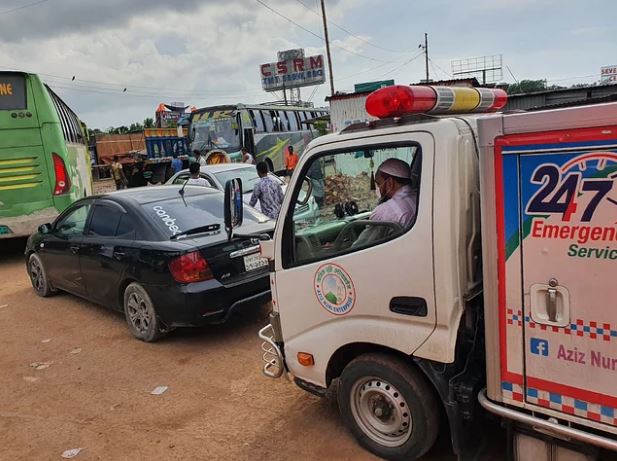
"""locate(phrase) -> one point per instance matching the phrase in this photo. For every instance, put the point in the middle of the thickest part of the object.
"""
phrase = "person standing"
(247, 157)
(176, 164)
(200, 158)
(268, 192)
(117, 172)
(315, 173)
(291, 160)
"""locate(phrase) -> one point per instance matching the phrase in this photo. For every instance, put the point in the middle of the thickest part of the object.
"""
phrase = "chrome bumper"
(551, 425)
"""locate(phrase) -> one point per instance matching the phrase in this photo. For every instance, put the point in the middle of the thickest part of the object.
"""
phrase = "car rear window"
(175, 215)
(248, 176)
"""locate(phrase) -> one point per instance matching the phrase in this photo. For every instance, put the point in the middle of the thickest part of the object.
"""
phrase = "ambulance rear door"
(565, 241)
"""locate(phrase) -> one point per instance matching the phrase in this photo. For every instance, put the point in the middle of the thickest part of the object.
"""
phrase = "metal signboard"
(293, 73)
(608, 74)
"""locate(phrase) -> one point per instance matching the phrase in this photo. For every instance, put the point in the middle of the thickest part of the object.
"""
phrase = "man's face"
(385, 184)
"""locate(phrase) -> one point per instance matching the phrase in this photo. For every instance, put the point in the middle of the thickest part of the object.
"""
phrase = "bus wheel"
(38, 276)
(389, 407)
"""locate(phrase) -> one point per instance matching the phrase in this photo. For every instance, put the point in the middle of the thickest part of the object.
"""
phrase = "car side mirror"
(305, 192)
(45, 228)
(234, 206)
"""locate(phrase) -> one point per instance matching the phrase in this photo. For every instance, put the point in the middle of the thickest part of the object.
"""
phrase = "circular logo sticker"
(334, 289)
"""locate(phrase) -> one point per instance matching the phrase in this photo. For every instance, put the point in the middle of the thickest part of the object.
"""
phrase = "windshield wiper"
(197, 230)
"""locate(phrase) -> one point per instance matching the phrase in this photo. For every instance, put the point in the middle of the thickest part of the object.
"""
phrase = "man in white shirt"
(195, 179)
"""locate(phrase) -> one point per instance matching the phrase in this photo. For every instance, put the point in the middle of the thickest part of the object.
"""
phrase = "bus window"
(294, 121)
(269, 123)
(260, 126)
(276, 121)
(284, 117)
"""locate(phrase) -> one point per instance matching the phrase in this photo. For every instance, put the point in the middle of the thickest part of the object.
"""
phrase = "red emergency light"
(398, 100)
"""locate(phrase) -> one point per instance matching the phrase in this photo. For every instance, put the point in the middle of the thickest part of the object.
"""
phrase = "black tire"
(140, 314)
(38, 276)
(381, 383)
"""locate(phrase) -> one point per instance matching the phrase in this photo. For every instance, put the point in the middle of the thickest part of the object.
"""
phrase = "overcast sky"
(207, 52)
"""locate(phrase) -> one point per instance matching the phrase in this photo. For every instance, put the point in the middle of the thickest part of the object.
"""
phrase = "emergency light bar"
(398, 100)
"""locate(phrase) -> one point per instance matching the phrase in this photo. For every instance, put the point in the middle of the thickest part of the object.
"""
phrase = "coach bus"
(265, 130)
(44, 160)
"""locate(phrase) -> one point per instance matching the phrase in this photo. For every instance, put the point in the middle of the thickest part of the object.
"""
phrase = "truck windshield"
(215, 133)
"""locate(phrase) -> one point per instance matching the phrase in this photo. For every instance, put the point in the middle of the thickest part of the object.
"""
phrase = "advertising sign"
(608, 74)
(558, 233)
(293, 73)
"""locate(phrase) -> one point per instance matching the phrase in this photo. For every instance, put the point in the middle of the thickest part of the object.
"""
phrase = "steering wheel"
(348, 235)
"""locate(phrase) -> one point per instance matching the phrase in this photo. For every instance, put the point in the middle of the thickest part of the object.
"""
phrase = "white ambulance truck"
(498, 293)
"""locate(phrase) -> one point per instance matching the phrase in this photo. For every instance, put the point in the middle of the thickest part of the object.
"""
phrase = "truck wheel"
(38, 276)
(140, 315)
(389, 407)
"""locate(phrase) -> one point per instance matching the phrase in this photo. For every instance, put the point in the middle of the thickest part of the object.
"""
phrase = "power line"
(23, 7)
(316, 35)
(404, 64)
(440, 68)
(338, 26)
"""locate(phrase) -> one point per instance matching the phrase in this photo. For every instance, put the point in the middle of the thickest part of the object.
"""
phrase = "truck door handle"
(119, 254)
(74, 249)
(409, 305)
(551, 300)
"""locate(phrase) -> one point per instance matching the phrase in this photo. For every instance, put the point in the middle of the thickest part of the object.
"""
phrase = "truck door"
(568, 219)
(376, 280)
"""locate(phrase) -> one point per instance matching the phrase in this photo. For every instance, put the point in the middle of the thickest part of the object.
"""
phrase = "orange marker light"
(305, 359)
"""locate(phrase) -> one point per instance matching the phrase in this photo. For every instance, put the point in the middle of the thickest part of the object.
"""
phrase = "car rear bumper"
(208, 302)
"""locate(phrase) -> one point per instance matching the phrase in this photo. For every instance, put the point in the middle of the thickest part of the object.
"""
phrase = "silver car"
(218, 175)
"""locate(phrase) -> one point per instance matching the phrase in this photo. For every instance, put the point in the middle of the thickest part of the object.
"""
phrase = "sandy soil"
(95, 394)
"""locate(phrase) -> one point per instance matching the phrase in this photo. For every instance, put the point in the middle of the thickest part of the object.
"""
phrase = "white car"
(218, 175)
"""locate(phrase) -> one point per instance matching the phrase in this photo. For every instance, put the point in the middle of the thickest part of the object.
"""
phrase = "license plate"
(253, 262)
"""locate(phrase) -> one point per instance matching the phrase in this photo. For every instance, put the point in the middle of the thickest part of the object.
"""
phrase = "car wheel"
(140, 314)
(389, 407)
(38, 276)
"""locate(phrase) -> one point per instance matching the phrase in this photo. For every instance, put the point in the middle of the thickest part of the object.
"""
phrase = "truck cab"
(392, 317)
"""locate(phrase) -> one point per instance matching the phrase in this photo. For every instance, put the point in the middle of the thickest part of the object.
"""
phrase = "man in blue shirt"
(176, 164)
(268, 192)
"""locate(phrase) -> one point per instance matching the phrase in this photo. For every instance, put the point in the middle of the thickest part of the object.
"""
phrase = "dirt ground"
(95, 393)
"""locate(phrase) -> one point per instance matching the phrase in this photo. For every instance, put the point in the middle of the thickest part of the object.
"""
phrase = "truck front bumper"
(272, 348)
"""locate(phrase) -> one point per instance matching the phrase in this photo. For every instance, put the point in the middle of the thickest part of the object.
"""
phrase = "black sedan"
(160, 256)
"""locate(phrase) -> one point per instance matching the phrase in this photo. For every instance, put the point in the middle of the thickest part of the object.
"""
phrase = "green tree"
(136, 127)
(148, 122)
(527, 86)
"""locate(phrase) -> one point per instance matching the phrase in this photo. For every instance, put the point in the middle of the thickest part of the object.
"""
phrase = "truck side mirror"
(305, 192)
(234, 206)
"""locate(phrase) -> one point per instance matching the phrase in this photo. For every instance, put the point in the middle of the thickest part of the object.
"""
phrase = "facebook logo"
(539, 346)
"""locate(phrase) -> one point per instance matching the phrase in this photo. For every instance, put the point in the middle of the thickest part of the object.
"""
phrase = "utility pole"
(325, 29)
(426, 55)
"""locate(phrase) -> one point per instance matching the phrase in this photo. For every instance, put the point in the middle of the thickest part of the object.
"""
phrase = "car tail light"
(191, 267)
(63, 183)
(398, 100)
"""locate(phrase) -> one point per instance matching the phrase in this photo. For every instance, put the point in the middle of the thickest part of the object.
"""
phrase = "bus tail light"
(63, 183)
(191, 267)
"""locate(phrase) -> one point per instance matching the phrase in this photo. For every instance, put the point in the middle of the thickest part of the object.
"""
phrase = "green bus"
(264, 129)
(44, 160)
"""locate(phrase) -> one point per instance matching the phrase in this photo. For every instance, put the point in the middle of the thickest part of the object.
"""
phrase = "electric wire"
(23, 7)
(265, 5)
(338, 26)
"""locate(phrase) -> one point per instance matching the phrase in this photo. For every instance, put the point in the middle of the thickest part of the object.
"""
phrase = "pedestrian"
(117, 172)
(137, 176)
(247, 157)
(268, 191)
(199, 158)
(291, 160)
(195, 179)
(176, 164)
